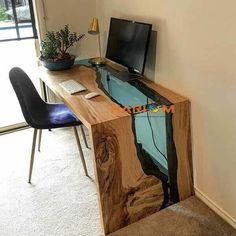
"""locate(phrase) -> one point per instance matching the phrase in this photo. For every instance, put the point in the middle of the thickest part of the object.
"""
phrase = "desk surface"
(99, 109)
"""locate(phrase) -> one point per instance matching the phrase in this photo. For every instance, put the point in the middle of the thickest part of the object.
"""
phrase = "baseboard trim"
(218, 210)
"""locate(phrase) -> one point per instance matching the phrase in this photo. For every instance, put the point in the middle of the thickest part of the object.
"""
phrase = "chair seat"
(55, 116)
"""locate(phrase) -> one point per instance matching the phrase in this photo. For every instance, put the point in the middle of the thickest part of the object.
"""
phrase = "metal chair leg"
(32, 155)
(84, 136)
(39, 141)
(80, 151)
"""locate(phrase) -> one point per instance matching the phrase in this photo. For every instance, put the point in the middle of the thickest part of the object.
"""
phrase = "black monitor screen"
(128, 43)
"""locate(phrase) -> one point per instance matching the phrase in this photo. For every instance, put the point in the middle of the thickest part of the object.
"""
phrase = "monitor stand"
(124, 75)
(127, 76)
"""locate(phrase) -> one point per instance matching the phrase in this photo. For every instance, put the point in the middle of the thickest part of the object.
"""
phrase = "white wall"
(196, 57)
(77, 13)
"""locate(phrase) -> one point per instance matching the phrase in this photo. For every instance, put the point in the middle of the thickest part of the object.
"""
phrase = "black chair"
(41, 115)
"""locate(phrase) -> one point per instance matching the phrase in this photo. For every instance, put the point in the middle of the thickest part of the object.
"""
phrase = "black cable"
(153, 136)
(108, 83)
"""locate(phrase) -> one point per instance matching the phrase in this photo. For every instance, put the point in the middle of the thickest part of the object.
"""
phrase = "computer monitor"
(128, 44)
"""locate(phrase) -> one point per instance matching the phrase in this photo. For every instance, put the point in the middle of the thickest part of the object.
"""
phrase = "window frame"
(17, 28)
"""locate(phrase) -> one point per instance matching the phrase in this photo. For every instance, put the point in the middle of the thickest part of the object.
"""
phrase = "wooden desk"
(125, 193)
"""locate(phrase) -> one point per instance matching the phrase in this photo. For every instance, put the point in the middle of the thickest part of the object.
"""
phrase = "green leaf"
(56, 44)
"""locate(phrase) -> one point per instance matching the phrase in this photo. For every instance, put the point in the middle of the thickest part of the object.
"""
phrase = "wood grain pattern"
(126, 194)
(182, 139)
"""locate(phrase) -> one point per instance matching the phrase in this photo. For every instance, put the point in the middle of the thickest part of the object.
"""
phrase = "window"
(17, 20)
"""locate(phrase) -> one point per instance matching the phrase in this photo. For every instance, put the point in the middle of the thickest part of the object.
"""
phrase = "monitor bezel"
(132, 70)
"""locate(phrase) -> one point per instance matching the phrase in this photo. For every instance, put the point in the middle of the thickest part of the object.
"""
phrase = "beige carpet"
(63, 202)
(188, 218)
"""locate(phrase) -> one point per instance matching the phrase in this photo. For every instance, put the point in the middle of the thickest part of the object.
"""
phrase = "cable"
(108, 84)
(153, 136)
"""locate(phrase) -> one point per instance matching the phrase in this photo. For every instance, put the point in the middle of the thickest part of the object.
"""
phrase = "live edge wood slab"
(125, 193)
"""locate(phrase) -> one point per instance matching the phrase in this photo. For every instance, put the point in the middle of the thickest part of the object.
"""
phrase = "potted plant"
(54, 49)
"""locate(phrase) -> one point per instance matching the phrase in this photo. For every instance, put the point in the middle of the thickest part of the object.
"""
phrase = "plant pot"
(60, 64)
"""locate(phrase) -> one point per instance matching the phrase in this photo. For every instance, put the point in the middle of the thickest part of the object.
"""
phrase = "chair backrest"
(29, 99)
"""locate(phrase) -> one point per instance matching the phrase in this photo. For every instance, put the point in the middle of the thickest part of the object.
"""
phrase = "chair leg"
(84, 136)
(32, 155)
(39, 141)
(80, 151)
